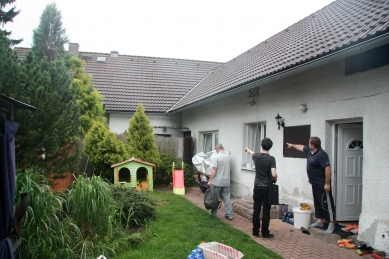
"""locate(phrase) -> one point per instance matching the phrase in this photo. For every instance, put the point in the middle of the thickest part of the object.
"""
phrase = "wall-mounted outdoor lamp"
(303, 107)
(279, 120)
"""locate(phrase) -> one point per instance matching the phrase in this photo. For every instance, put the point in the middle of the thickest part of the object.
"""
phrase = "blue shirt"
(316, 164)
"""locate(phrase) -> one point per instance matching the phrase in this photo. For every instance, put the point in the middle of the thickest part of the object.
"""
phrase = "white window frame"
(253, 134)
(206, 145)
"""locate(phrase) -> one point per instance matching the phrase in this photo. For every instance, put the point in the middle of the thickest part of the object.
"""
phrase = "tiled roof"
(157, 83)
(125, 81)
(337, 26)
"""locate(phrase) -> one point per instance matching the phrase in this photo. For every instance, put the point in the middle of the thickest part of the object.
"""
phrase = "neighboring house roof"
(339, 25)
(125, 81)
(157, 83)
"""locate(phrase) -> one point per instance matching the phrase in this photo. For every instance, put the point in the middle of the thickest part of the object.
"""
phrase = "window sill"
(248, 169)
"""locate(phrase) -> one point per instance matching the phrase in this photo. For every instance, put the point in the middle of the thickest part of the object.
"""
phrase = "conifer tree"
(140, 138)
(49, 38)
(45, 83)
(8, 16)
(103, 150)
(9, 68)
(87, 96)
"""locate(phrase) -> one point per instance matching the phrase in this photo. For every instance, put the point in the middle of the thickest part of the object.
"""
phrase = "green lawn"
(180, 226)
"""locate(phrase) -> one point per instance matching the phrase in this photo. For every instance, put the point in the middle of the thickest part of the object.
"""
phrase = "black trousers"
(261, 198)
(324, 203)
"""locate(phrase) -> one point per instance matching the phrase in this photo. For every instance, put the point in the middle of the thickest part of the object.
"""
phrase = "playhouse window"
(124, 175)
(141, 174)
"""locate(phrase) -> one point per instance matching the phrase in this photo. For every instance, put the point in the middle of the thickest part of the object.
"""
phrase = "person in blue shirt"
(319, 175)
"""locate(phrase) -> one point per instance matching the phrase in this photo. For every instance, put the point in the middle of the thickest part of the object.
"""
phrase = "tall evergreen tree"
(49, 38)
(87, 96)
(8, 16)
(140, 138)
(46, 84)
(9, 68)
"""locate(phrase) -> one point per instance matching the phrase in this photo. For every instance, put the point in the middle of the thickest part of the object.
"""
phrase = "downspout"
(361, 47)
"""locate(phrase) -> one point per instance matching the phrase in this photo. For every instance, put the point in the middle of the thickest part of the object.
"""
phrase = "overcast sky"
(211, 30)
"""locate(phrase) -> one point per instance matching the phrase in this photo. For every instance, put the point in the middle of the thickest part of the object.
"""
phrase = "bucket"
(281, 209)
(302, 218)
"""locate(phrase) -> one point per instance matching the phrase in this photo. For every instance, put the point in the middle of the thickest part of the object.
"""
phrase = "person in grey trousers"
(220, 179)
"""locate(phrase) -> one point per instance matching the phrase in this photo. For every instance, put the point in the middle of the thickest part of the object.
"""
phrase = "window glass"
(254, 133)
(207, 144)
(209, 141)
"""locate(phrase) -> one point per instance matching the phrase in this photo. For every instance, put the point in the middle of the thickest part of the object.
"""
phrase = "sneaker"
(228, 217)
(268, 236)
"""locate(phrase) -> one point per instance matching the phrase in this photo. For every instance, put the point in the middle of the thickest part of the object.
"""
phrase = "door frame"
(334, 151)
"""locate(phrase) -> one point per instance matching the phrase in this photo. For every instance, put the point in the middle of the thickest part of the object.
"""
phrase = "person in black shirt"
(265, 173)
(319, 175)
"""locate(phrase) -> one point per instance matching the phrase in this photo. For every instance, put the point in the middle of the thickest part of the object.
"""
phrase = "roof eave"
(331, 57)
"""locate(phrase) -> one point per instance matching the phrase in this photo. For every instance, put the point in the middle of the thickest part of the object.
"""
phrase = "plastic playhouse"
(135, 173)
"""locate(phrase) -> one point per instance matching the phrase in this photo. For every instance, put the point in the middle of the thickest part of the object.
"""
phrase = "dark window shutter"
(296, 135)
(188, 150)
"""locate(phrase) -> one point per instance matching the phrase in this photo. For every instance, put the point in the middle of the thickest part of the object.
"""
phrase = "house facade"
(326, 75)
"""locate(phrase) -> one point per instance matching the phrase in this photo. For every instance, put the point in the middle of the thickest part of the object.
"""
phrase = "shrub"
(164, 172)
(135, 207)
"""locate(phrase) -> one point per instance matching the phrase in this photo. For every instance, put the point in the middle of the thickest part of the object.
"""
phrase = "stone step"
(244, 207)
(329, 238)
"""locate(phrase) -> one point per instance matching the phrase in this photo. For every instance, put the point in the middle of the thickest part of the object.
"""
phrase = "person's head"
(266, 144)
(219, 147)
(314, 142)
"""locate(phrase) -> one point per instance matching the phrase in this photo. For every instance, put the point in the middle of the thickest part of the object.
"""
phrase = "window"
(355, 144)
(210, 139)
(296, 135)
(253, 134)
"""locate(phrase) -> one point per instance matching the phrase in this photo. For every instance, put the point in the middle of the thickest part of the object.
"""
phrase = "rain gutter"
(356, 49)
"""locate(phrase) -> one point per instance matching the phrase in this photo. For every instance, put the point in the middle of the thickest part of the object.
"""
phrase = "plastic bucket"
(302, 218)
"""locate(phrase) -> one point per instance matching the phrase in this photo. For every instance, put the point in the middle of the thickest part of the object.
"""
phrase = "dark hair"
(266, 144)
(315, 141)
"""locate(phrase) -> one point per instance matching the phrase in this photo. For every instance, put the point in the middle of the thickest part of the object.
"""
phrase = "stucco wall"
(119, 122)
(331, 98)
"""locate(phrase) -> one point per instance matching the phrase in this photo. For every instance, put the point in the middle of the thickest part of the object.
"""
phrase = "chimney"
(74, 49)
(114, 54)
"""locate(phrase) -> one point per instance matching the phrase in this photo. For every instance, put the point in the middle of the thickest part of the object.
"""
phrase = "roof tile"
(341, 24)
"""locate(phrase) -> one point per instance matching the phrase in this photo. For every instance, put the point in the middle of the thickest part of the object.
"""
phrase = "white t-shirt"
(222, 163)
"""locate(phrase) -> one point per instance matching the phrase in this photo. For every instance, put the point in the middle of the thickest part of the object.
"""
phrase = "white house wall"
(331, 98)
(119, 122)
